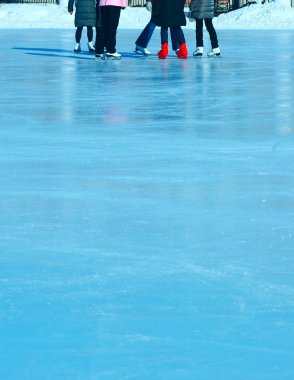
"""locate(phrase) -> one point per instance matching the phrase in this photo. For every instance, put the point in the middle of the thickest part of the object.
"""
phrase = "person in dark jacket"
(203, 10)
(145, 37)
(85, 16)
(170, 14)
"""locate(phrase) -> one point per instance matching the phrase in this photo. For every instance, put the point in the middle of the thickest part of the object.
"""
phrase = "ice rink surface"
(147, 210)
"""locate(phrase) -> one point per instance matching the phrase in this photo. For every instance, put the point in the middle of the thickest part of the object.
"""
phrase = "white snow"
(275, 15)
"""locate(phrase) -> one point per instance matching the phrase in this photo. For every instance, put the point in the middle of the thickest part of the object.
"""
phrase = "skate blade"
(113, 58)
(102, 58)
(139, 52)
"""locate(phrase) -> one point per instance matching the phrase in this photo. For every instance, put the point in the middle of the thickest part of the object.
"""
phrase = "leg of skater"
(79, 30)
(199, 38)
(98, 24)
(175, 39)
(179, 44)
(144, 38)
(162, 54)
(90, 39)
(113, 21)
(215, 50)
(101, 32)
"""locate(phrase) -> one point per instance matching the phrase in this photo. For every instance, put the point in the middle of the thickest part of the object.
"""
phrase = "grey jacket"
(202, 8)
(85, 12)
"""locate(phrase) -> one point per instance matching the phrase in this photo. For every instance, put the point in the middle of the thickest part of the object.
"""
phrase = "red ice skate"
(162, 54)
(182, 52)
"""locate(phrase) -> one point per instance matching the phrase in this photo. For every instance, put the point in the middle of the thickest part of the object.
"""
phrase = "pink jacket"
(116, 3)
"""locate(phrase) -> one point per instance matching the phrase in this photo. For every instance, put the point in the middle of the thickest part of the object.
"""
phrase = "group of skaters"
(104, 15)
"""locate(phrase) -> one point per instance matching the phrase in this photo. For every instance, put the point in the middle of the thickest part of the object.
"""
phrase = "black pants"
(109, 22)
(210, 29)
(79, 33)
(98, 22)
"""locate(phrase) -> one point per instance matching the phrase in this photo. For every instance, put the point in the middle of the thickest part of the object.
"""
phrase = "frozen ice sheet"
(146, 210)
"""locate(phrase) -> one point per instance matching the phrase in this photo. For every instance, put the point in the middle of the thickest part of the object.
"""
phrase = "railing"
(141, 3)
(29, 2)
(136, 3)
(131, 3)
(221, 6)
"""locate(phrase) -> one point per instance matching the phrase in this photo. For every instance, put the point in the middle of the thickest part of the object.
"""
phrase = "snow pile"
(275, 15)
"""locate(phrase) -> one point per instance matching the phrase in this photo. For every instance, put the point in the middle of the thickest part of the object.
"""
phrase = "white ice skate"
(115, 55)
(213, 53)
(141, 50)
(77, 48)
(91, 47)
(198, 52)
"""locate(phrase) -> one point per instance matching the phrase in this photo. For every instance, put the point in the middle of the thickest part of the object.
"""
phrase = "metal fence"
(29, 2)
(136, 3)
(141, 3)
(131, 3)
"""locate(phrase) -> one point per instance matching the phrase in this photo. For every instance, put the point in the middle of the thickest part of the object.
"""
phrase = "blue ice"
(147, 211)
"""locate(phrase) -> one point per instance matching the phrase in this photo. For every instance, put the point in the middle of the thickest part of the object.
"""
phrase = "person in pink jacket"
(110, 14)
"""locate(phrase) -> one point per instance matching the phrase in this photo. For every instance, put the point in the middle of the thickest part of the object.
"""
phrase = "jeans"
(145, 36)
(177, 36)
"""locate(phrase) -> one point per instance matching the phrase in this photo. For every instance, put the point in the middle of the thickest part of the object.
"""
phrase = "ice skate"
(141, 50)
(91, 47)
(115, 55)
(182, 52)
(198, 52)
(99, 56)
(77, 48)
(162, 54)
(214, 53)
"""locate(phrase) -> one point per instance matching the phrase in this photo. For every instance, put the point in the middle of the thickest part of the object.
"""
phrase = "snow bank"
(275, 15)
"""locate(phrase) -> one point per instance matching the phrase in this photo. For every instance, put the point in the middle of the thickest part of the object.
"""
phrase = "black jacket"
(168, 13)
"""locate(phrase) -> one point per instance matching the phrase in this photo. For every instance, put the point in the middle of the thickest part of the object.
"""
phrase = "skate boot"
(182, 52)
(91, 47)
(99, 56)
(162, 54)
(198, 52)
(214, 53)
(141, 50)
(115, 55)
(77, 48)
